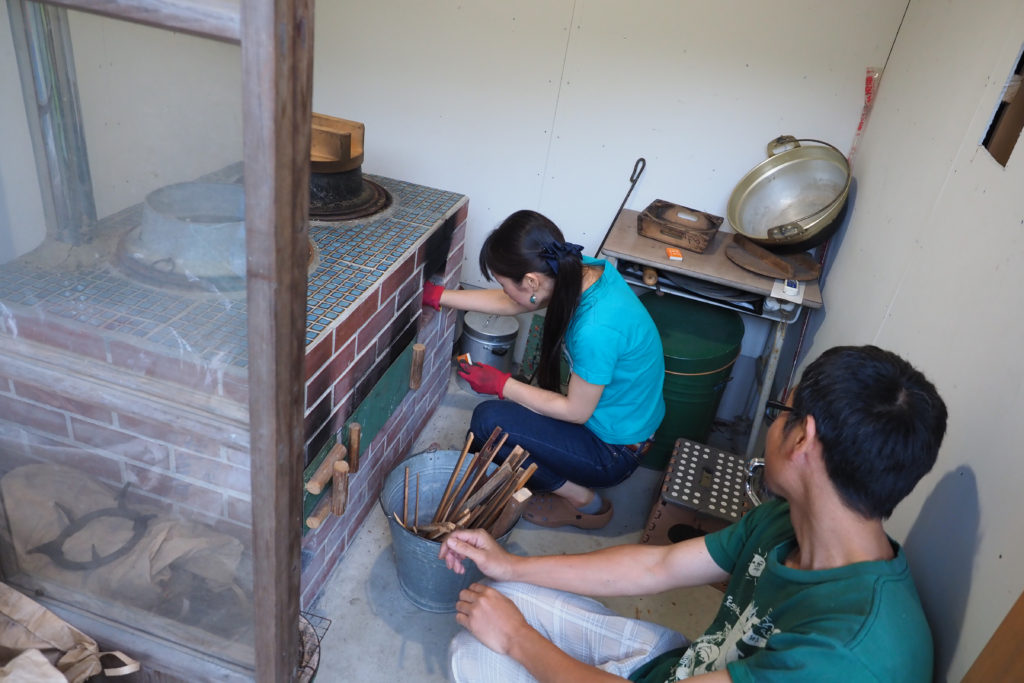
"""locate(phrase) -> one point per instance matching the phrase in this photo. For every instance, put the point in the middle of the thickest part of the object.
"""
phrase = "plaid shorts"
(581, 627)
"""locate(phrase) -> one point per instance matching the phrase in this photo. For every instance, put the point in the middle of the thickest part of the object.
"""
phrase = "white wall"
(548, 105)
(157, 107)
(22, 226)
(930, 266)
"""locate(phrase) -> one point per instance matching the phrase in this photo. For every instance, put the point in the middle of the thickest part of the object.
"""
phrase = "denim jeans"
(563, 451)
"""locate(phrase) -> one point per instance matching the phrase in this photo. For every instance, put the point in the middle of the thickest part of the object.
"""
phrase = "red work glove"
(432, 295)
(484, 379)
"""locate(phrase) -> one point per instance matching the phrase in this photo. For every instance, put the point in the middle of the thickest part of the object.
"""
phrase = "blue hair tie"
(553, 252)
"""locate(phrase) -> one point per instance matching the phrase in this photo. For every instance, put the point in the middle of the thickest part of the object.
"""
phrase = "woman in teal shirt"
(594, 434)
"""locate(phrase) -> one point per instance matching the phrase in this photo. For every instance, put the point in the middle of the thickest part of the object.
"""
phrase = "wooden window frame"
(276, 38)
(1008, 119)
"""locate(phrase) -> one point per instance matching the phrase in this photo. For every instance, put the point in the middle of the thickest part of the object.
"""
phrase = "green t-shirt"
(612, 341)
(862, 622)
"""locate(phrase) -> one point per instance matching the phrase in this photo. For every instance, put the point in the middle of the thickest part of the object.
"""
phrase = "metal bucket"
(488, 339)
(425, 580)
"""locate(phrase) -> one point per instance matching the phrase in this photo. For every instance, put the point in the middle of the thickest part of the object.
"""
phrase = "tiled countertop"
(209, 328)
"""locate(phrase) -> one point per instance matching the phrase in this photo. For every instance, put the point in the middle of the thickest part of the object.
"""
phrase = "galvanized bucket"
(425, 580)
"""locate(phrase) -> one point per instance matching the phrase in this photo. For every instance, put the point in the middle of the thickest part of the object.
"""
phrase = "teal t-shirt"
(859, 623)
(612, 341)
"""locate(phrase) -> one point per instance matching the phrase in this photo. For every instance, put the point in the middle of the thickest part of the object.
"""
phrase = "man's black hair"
(879, 420)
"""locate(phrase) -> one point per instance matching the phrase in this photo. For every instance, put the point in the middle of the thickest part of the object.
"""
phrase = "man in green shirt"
(817, 591)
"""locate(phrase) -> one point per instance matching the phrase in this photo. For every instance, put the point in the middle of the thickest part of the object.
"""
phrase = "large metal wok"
(792, 200)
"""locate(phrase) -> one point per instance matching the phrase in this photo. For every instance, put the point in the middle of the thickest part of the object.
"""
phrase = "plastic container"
(701, 343)
(425, 580)
(488, 339)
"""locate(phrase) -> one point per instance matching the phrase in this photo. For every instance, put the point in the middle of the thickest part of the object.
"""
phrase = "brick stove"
(144, 390)
(347, 361)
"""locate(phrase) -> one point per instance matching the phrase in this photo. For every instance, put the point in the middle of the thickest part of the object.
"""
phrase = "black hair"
(879, 420)
(514, 249)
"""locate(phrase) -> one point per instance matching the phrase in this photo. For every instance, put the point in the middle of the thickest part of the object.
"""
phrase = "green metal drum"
(701, 343)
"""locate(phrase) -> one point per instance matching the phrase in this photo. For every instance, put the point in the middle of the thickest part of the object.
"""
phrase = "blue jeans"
(563, 451)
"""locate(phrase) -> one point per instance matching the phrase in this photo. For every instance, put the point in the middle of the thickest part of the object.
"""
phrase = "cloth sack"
(142, 576)
(31, 667)
(25, 625)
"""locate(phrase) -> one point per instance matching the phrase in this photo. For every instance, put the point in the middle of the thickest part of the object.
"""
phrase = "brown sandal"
(549, 510)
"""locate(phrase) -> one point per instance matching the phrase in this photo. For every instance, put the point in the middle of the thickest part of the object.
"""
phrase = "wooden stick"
(516, 457)
(339, 488)
(320, 513)
(355, 433)
(451, 480)
(405, 500)
(495, 433)
(325, 470)
(478, 468)
(432, 530)
(498, 501)
(459, 488)
(476, 480)
(416, 508)
(510, 514)
(520, 482)
(512, 465)
(493, 483)
(416, 372)
(475, 515)
(525, 476)
(461, 521)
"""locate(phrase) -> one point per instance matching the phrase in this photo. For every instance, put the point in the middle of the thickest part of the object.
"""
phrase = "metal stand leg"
(767, 379)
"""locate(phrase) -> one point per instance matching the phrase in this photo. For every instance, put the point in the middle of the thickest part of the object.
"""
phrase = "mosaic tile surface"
(210, 327)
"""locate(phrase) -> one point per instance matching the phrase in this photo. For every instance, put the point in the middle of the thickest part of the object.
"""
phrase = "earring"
(533, 298)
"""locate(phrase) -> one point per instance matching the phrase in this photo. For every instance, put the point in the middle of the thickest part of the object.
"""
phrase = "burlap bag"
(139, 577)
(26, 625)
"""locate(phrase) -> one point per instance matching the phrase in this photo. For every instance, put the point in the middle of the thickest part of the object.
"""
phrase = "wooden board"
(1002, 659)
(372, 414)
(712, 266)
(795, 266)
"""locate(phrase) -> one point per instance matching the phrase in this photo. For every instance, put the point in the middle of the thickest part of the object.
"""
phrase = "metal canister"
(489, 339)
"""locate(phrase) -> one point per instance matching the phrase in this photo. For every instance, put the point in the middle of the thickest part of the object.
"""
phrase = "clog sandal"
(549, 510)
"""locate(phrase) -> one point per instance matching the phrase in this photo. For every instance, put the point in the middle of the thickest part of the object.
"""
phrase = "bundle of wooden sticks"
(477, 500)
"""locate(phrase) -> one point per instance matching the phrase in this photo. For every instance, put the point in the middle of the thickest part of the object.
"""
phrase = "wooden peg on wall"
(355, 433)
(325, 470)
(339, 490)
(323, 509)
(416, 373)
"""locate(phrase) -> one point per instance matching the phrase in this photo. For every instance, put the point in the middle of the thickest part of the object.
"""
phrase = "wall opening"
(1008, 120)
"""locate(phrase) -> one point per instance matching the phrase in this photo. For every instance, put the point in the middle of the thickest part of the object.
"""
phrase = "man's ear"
(810, 428)
(808, 441)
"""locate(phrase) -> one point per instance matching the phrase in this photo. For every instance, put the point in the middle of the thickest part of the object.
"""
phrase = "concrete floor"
(377, 634)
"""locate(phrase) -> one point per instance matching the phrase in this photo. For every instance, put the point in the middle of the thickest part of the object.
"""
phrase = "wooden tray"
(678, 225)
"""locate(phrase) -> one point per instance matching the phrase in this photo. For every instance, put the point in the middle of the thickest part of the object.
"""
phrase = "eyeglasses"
(772, 409)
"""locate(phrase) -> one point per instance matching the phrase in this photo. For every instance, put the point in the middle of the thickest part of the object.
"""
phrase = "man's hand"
(478, 546)
(432, 295)
(484, 379)
(491, 617)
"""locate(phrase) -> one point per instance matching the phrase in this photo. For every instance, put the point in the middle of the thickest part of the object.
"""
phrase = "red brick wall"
(361, 349)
